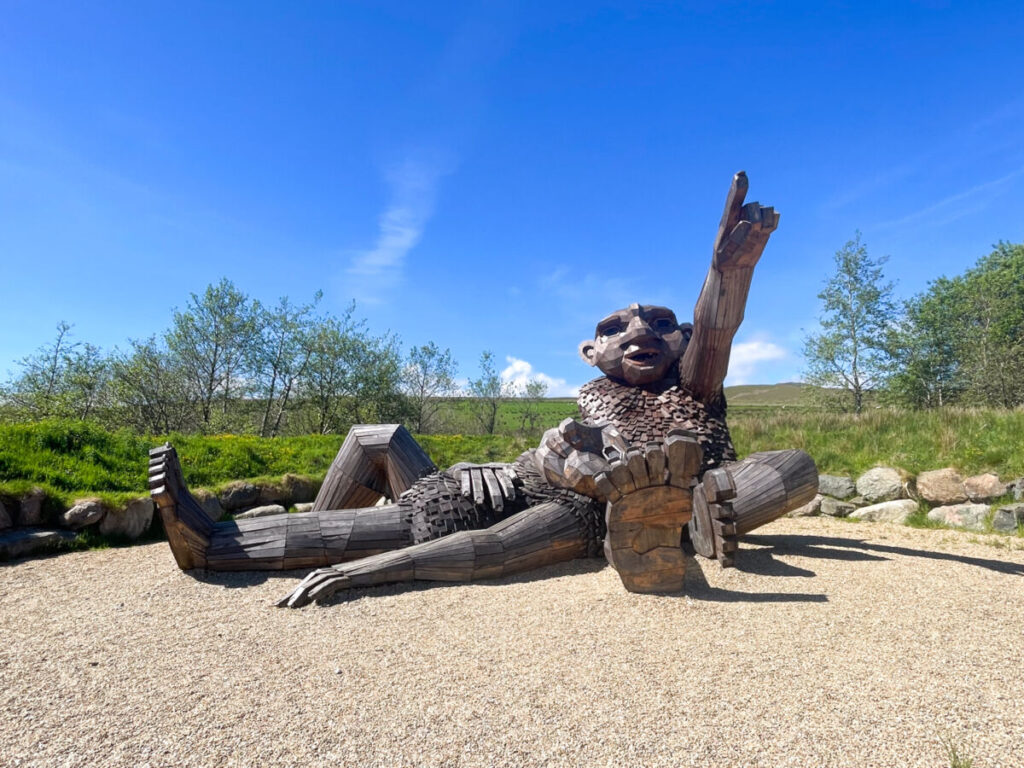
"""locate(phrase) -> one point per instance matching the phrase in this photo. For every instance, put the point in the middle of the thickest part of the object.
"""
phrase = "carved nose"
(638, 328)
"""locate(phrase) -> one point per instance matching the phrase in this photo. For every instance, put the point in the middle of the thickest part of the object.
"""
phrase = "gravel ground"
(833, 644)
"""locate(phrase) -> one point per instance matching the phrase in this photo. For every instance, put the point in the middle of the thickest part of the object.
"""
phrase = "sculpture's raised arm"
(742, 236)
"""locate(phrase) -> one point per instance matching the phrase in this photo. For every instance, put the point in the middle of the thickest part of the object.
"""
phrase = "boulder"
(272, 493)
(30, 508)
(264, 511)
(239, 495)
(27, 541)
(858, 501)
(836, 486)
(880, 484)
(835, 507)
(84, 512)
(969, 516)
(1018, 489)
(209, 502)
(5, 518)
(941, 486)
(810, 509)
(896, 511)
(304, 506)
(130, 522)
(300, 489)
(984, 488)
(1008, 518)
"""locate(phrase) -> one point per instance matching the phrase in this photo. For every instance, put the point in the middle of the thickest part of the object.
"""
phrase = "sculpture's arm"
(742, 236)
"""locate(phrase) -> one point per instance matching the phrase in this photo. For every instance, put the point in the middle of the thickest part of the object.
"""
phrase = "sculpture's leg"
(375, 460)
(744, 495)
(267, 543)
(547, 533)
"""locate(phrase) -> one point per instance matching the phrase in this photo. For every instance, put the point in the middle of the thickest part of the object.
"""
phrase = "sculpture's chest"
(641, 415)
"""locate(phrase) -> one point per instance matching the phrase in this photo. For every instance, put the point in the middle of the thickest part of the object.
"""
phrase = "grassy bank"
(979, 440)
(71, 459)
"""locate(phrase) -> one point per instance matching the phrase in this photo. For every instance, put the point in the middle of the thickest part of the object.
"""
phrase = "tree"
(531, 395)
(962, 340)
(428, 376)
(926, 349)
(851, 353)
(278, 357)
(351, 377)
(209, 340)
(151, 390)
(488, 391)
(61, 380)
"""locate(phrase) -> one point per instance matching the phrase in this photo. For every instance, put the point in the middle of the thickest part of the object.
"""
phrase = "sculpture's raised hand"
(744, 229)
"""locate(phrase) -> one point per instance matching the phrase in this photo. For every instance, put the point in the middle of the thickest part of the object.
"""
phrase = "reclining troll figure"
(652, 456)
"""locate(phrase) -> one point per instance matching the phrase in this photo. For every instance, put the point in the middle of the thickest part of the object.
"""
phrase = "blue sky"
(492, 175)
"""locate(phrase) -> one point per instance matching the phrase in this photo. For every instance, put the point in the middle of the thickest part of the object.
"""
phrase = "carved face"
(637, 345)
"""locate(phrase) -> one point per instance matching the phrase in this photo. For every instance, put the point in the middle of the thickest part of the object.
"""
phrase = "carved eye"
(612, 329)
(663, 325)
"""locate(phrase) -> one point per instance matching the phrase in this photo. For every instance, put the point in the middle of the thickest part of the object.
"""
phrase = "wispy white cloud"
(955, 206)
(520, 372)
(373, 273)
(748, 357)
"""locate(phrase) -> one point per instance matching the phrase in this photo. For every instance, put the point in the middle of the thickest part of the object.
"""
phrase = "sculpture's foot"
(649, 502)
(188, 526)
(713, 528)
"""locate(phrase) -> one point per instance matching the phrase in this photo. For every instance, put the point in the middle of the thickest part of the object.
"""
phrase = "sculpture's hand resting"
(496, 482)
(596, 461)
(744, 229)
(319, 585)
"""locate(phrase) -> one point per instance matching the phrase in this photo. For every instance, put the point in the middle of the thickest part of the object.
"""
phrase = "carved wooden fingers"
(495, 484)
(744, 229)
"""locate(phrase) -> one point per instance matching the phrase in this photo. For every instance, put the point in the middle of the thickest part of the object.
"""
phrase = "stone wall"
(884, 494)
(26, 527)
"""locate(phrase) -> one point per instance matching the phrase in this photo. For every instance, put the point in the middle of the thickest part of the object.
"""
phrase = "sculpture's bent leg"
(548, 533)
(276, 542)
(375, 460)
(737, 498)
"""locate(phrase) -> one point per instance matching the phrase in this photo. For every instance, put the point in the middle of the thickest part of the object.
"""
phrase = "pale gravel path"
(836, 644)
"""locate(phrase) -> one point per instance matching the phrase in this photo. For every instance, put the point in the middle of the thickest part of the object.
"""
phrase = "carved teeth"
(639, 354)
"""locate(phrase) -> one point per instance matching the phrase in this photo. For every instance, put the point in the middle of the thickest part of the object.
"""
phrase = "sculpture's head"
(637, 345)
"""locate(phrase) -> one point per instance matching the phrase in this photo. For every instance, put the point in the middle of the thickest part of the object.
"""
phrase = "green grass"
(70, 460)
(972, 441)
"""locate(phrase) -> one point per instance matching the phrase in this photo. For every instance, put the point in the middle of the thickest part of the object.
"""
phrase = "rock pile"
(885, 494)
(27, 527)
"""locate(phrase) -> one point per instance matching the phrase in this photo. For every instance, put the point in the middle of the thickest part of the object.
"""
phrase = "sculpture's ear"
(586, 349)
(687, 329)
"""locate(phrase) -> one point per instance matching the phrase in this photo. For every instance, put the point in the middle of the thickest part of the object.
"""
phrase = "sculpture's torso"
(649, 412)
(436, 507)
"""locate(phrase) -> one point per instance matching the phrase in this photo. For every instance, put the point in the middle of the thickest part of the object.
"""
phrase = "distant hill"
(789, 393)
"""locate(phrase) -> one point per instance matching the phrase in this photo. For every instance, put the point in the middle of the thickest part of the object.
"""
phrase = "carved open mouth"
(643, 356)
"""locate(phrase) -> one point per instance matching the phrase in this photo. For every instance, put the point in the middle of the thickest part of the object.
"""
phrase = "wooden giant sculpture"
(653, 456)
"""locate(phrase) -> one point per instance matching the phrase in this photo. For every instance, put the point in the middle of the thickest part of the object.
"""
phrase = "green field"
(74, 459)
